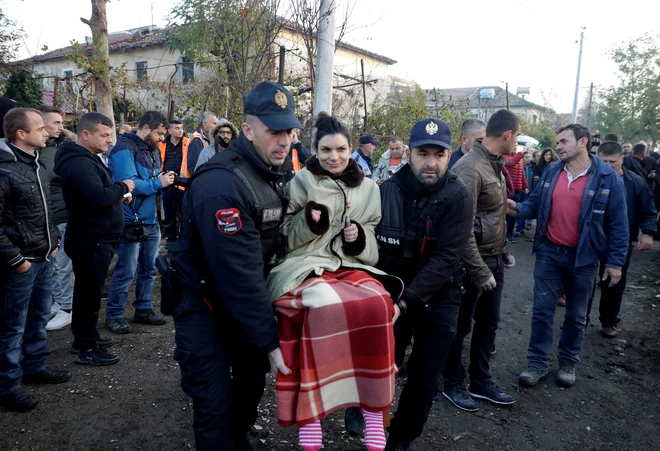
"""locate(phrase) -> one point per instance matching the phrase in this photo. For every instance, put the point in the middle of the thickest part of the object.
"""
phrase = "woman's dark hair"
(328, 125)
(542, 162)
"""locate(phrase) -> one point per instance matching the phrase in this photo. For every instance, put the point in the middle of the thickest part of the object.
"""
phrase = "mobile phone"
(127, 195)
(347, 221)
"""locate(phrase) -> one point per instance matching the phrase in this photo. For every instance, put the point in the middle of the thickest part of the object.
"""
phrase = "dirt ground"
(138, 404)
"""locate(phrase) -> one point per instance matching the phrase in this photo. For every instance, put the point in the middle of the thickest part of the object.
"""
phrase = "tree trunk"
(103, 89)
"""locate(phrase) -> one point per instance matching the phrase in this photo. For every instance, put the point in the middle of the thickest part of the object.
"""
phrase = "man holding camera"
(136, 157)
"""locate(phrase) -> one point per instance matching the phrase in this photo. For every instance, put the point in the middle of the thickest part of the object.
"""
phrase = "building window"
(68, 74)
(535, 118)
(141, 70)
(187, 70)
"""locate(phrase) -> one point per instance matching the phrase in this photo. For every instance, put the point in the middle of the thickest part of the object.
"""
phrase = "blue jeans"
(555, 271)
(62, 278)
(25, 301)
(132, 256)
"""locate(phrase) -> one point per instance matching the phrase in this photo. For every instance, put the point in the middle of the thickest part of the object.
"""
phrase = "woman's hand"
(350, 233)
(316, 215)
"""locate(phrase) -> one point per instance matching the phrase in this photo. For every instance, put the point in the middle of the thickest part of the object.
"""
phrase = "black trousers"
(90, 259)
(484, 309)
(433, 330)
(172, 202)
(224, 375)
(611, 297)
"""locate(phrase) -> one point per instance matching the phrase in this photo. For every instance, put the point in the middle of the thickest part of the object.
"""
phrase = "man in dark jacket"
(641, 164)
(427, 220)
(28, 241)
(472, 130)
(62, 268)
(641, 215)
(96, 220)
(225, 324)
(579, 207)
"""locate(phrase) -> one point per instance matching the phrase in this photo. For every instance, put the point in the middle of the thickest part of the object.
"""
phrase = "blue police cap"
(368, 139)
(273, 104)
(430, 131)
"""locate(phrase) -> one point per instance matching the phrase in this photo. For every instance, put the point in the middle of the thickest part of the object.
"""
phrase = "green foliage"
(541, 131)
(232, 38)
(632, 109)
(10, 36)
(397, 116)
(24, 88)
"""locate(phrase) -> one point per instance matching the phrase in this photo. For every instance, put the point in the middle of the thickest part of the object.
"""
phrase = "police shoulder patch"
(229, 221)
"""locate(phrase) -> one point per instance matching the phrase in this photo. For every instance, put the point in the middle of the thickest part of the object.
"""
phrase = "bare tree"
(100, 59)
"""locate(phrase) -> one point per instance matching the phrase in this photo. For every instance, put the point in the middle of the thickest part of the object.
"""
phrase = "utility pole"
(280, 79)
(591, 94)
(324, 61)
(364, 95)
(508, 106)
(577, 81)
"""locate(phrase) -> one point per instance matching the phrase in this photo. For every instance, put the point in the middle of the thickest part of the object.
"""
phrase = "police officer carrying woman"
(225, 324)
(426, 223)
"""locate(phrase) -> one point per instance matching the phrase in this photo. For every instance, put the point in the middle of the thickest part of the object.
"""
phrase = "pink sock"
(374, 432)
(310, 436)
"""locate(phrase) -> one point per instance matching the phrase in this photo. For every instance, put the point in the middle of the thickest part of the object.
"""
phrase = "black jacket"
(224, 242)
(27, 229)
(47, 158)
(423, 232)
(639, 202)
(94, 202)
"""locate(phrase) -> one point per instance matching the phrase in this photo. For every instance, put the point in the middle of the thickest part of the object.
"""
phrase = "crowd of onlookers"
(70, 203)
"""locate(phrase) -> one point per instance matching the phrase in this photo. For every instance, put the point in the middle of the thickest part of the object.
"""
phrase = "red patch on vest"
(229, 221)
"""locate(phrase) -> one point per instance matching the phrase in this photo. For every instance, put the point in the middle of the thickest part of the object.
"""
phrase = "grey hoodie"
(209, 152)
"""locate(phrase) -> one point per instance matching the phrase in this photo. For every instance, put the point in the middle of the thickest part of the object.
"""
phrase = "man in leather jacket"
(485, 259)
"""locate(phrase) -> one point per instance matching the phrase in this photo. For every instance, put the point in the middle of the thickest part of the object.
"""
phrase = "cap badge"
(431, 128)
(280, 99)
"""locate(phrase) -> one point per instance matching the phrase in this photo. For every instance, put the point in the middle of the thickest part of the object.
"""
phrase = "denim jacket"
(603, 226)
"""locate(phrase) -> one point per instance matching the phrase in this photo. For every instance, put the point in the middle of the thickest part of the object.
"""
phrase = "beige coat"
(311, 253)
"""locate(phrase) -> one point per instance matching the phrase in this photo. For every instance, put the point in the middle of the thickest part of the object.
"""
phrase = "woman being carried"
(335, 315)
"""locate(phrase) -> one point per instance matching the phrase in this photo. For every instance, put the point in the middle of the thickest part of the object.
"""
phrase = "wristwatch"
(401, 306)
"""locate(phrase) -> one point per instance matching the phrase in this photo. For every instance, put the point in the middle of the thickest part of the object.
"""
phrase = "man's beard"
(222, 143)
(425, 180)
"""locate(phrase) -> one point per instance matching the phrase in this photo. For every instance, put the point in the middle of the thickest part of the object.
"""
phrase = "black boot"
(18, 401)
(354, 422)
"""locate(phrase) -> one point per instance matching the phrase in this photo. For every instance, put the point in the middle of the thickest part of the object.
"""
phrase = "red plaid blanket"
(336, 336)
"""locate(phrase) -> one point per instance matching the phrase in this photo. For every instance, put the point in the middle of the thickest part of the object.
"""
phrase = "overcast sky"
(530, 43)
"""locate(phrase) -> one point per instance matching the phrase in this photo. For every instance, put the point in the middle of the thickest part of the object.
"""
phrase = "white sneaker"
(61, 320)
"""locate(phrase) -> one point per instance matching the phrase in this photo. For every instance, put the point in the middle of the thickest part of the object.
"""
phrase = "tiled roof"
(117, 42)
(66, 101)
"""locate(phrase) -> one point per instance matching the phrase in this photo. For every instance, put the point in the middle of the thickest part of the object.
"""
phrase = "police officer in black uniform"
(427, 220)
(225, 325)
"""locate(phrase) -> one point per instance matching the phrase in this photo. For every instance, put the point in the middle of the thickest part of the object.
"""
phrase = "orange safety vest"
(295, 160)
(183, 172)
